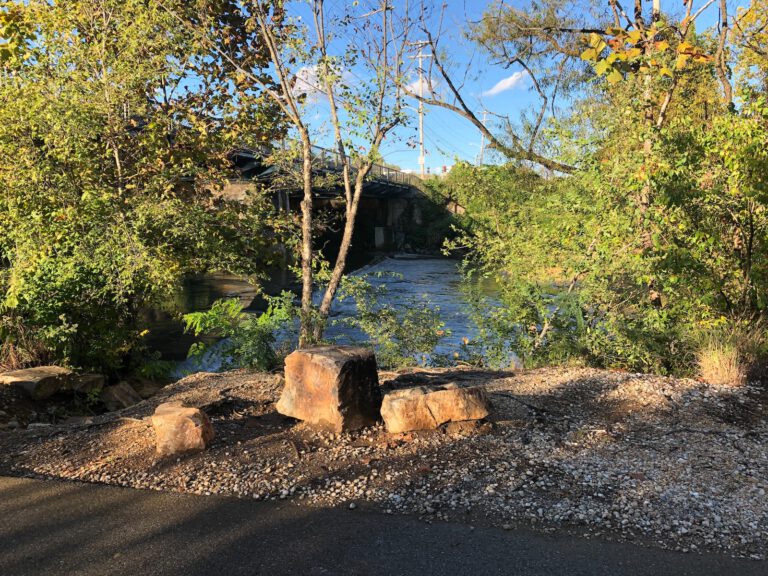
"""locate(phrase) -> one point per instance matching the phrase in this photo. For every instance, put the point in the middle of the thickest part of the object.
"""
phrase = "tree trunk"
(305, 331)
(341, 259)
(721, 65)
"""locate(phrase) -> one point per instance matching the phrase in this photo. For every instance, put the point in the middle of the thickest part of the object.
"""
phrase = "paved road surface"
(52, 528)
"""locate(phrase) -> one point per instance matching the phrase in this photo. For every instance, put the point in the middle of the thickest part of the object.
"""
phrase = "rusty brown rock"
(425, 408)
(180, 429)
(332, 387)
(119, 396)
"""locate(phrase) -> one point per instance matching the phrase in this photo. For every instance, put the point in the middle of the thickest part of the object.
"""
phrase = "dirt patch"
(673, 462)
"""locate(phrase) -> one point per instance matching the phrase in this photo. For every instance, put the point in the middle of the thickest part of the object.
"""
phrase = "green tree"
(113, 134)
(656, 241)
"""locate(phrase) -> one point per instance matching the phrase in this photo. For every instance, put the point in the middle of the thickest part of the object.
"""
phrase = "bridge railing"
(331, 159)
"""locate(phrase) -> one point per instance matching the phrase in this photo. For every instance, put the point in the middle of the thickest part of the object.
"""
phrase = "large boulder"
(332, 387)
(42, 382)
(180, 429)
(426, 408)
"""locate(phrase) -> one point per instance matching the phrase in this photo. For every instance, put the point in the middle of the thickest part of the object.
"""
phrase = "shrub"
(720, 363)
(402, 335)
(245, 340)
(20, 346)
(730, 356)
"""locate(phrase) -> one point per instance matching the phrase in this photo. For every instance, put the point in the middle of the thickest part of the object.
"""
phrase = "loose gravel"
(675, 463)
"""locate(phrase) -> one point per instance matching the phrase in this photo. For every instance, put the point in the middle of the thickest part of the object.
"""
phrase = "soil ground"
(673, 463)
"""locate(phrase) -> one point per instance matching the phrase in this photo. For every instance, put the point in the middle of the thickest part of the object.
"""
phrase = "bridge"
(381, 180)
(392, 202)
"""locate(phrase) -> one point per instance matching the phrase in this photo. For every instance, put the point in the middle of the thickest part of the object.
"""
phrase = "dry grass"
(21, 351)
(720, 363)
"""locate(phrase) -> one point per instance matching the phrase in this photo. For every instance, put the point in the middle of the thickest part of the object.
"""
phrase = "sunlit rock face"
(426, 408)
(335, 388)
(179, 429)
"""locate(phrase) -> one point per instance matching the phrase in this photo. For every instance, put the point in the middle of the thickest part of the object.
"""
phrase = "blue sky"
(501, 91)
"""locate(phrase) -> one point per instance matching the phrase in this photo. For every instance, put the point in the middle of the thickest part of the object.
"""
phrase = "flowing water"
(405, 277)
(434, 280)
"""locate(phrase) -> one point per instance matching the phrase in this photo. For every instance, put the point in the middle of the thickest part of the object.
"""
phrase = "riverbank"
(667, 462)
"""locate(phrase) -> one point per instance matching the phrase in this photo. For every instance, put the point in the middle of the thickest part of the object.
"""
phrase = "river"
(405, 278)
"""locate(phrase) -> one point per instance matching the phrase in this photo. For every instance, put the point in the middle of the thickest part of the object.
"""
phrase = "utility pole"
(482, 142)
(420, 57)
(421, 113)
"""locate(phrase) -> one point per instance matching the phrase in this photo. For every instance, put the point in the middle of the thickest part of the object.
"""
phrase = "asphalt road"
(51, 528)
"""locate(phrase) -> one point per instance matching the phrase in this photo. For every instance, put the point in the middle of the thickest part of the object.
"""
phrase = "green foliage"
(246, 340)
(585, 274)
(109, 149)
(15, 31)
(659, 238)
(402, 335)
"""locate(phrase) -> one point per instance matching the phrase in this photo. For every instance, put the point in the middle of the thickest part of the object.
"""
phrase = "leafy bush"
(245, 340)
(402, 335)
(105, 185)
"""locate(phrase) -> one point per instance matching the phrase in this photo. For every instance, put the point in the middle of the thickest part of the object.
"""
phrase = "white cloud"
(413, 87)
(508, 83)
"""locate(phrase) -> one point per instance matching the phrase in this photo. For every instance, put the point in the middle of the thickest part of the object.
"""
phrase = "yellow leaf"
(634, 36)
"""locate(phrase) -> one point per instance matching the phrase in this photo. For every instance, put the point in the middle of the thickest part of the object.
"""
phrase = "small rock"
(180, 429)
(121, 395)
(37, 425)
(352, 505)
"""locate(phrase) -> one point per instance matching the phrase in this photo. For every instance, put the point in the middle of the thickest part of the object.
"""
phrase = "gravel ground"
(675, 463)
